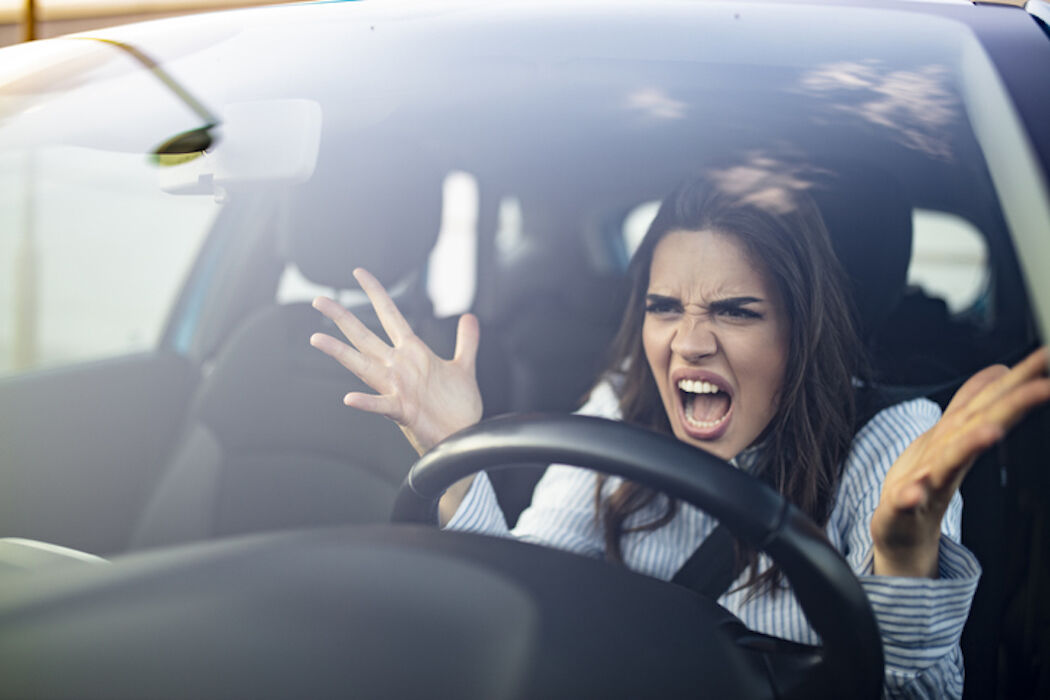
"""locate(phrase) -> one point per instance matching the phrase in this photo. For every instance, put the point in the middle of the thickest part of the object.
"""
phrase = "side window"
(510, 230)
(949, 259)
(452, 270)
(940, 329)
(93, 254)
(635, 225)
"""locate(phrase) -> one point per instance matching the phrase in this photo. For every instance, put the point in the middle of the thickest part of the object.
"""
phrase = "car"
(175, 192)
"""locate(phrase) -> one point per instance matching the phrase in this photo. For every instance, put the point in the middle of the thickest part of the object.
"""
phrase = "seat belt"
(712, 568)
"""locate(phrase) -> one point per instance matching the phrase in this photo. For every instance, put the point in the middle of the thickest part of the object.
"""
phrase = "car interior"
(244, 462)
(234, 427)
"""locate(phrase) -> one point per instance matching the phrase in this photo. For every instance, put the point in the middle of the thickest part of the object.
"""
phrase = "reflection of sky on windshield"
(654, 102)
(916, 105)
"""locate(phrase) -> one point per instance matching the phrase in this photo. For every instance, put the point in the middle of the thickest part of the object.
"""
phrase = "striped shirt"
(920, 620)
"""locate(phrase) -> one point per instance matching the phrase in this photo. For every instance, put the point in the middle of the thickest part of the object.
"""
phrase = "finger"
(468, 335)
(963, 444)
(973, 386)
(372, 373)
(351, 327)
(1029, 368)
(332, 347)
(1037, 362)
(1014, 406)
(382, 405)
(389, 315)
(955, 460)
(350, 358)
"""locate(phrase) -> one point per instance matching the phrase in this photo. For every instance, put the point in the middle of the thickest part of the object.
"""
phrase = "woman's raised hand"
(906, 524)
(428, 397)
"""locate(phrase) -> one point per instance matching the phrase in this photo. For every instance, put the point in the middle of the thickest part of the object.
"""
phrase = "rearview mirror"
(263, 142)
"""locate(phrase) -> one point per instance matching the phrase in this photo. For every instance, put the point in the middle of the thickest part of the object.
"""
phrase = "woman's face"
(716, 338)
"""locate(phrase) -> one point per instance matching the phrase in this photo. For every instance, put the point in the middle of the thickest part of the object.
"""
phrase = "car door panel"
(81, 446)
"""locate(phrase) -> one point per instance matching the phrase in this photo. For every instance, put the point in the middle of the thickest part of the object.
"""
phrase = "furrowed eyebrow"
(730, 301)
(737, 301)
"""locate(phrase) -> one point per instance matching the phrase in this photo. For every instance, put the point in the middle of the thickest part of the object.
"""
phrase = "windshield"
(534, 150)
(96, 251)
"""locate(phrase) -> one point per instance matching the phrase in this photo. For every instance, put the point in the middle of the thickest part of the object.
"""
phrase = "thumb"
(468, 334)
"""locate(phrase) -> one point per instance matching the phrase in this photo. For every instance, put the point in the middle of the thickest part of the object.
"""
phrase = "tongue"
(706, 408)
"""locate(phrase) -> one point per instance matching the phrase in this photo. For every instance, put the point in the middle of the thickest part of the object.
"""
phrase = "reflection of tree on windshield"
(187, 144)
(79, 64)
(766, 181)
(916, 105)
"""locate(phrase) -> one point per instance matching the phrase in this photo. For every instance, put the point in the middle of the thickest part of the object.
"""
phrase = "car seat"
(549, 314)
(869, 222)
(268, 443)
(917, 349)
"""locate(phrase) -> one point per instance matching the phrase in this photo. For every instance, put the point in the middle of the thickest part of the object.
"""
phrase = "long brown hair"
(809, 436)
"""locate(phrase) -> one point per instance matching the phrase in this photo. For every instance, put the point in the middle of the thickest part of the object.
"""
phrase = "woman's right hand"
(428, 397)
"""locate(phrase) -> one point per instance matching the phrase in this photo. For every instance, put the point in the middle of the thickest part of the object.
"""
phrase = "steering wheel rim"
(824, 585)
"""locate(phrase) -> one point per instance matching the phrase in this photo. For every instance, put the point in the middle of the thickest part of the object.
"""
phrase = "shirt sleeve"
(921, 620)
(479, 511)
(562, 513)
(561, 516)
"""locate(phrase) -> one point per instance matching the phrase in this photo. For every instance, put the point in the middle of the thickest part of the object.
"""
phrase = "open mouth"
(705, 406)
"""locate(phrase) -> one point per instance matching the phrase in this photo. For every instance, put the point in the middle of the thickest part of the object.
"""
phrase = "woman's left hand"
(906, 525)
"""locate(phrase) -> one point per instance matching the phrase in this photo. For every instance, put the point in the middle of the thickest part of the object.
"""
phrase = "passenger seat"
(268, 443)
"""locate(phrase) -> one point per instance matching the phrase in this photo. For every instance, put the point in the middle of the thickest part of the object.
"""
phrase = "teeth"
(705, 423)
(695, 386)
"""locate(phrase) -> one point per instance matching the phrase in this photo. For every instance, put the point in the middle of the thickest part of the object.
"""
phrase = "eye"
(734, 311)
(662, 305)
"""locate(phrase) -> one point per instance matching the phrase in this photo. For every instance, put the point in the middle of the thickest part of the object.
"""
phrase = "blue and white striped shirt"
(921, 620)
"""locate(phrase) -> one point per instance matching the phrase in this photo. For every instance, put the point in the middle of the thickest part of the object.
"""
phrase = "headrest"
(374, 201)
(869, 220)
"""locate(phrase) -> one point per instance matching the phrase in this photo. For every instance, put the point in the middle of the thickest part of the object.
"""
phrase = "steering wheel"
(850, 661)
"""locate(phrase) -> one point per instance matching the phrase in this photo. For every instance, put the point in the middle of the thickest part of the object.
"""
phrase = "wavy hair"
(809, 436)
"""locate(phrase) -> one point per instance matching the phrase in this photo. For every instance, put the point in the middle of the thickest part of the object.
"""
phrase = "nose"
(694, 338)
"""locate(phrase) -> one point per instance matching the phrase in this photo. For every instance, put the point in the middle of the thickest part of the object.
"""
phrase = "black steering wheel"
(850, 661)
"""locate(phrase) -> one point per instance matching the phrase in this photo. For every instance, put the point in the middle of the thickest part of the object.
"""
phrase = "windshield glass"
(95, 250)
(539, 145)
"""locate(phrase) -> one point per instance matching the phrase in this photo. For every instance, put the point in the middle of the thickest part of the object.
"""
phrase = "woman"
(737, 339)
